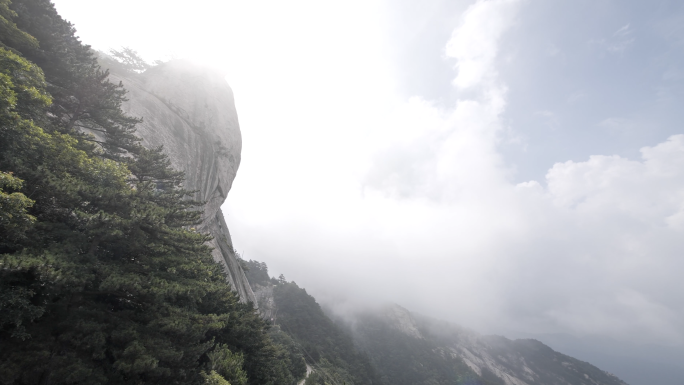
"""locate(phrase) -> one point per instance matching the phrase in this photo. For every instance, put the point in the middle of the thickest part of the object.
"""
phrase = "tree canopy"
(103, 279)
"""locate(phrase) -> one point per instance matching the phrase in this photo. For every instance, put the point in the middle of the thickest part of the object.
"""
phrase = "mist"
(377, 197)
(508, 165)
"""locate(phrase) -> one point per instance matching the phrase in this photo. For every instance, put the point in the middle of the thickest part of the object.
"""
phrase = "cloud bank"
(366, 197)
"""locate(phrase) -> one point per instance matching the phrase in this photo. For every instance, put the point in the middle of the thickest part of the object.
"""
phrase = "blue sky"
(594, 77)
(585, 77)
(516, 166)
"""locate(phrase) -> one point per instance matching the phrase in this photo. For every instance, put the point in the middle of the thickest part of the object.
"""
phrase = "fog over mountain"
(514, 166)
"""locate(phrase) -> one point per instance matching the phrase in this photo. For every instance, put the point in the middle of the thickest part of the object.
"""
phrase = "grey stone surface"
(190, 110)
(513, 362)
(266, 302)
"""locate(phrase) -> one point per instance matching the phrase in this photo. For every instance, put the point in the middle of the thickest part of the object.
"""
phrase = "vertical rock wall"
(190, 110)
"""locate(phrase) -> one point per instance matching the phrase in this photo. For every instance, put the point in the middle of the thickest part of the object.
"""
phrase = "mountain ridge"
(406, 348)
(514, 362)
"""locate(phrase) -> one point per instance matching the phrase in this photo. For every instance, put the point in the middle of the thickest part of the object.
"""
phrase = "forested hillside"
(390, 345)
(103, 279)
(326, 347)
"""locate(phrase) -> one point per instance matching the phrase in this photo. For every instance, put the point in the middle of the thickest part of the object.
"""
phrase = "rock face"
(394, 338)
(190, 110)
(265, 301)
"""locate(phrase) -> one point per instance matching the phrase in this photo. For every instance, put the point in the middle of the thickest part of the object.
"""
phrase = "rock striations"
(191, 112)
(440, 347)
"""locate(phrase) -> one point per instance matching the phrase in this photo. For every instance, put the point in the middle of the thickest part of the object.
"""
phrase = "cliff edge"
(190, 110)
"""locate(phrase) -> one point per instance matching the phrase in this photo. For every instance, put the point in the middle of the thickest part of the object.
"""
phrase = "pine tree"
(102, 279)
(9, 32)
(84, 100)
(110, 269)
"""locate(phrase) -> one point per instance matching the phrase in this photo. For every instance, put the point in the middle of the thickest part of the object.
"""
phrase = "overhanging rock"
(190, 110)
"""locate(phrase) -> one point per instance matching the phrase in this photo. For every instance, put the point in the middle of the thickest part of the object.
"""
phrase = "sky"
(514, 166)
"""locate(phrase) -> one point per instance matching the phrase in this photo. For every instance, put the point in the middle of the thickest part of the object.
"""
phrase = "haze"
(513, 166)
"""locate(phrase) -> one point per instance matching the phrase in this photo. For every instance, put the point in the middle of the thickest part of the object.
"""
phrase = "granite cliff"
(190, 111)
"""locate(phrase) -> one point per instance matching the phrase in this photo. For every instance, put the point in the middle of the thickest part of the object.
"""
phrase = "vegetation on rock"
(324, 345)
(103, 279)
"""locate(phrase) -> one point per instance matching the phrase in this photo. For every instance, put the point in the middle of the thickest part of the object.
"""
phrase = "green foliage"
(14, 222)
(214, 378)
(111, 279)
(84, 101)
(9, 33)
(256, 272)
(130, 61)
(102, 280)
(22, 90)
(291, 350)
(14, 218)
(228, 364)
(17, 310)
(302, 318)
(266, 362)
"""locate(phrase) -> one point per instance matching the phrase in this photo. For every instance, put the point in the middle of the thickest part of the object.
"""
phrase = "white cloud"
(618, 42)
(623, 31)
(346, 188)
(359, 194)
(474, 44)
(623, 220)
(452, 151)
(603, 182)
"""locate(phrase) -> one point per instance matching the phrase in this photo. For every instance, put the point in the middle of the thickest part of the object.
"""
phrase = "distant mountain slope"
(327, 348)
(392, 346)
(410, 349)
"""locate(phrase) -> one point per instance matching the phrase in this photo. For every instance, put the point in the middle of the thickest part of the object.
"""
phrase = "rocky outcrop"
(441, 347)
(266, 302)
(191, 112)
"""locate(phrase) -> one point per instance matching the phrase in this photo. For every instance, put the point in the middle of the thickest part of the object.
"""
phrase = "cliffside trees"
(103, 288)
(327, 347)
(102, 279)
(9, 32)
(130, 60)
(84, 101)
